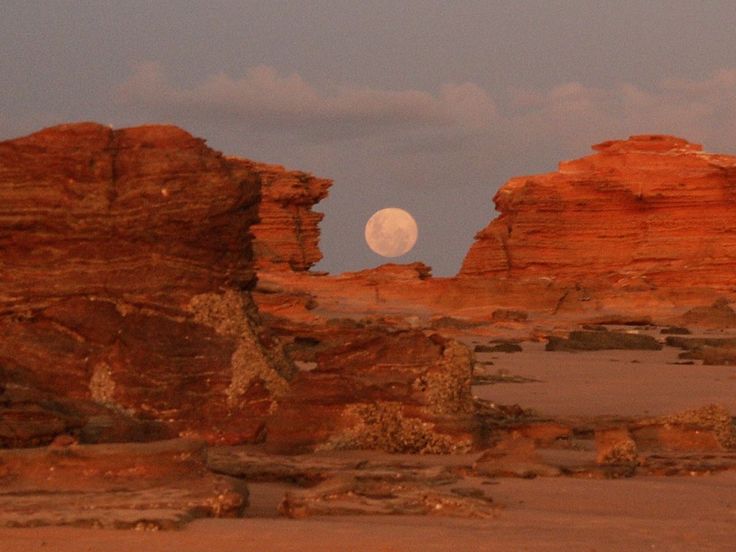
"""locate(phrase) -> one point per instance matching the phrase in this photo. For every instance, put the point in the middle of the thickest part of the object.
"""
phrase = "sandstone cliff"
(124, 256)
(643, 213)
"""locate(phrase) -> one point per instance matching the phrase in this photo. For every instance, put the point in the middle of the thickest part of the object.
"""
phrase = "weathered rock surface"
(338, 483)
(159, 485)
(389, 493)
(717, 315)
(124, 260)
(398, 391)
(709, 427)
(515, 456)
(640, 214)
(615, 446)
(286, 237)
(609, 235)
(713, 351)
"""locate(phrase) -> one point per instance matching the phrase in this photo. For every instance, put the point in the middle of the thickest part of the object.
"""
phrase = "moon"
(391, 232)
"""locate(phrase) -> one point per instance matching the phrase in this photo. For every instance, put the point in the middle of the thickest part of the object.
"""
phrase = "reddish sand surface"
(613, 383)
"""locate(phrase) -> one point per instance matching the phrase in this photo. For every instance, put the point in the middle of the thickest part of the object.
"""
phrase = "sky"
(425, 105)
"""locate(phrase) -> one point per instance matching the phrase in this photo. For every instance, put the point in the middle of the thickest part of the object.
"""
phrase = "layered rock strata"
(286, 237)
(125, 259)
(146, 486)
(640, 214)
(644, 227)
(370, 388)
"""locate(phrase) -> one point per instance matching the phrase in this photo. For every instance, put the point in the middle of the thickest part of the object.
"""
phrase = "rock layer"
(376, 389)
(286, 236)
(124, 263)
(149, 486)
(642, 213)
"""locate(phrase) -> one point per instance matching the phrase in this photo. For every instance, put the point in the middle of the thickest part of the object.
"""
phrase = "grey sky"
(425, 105)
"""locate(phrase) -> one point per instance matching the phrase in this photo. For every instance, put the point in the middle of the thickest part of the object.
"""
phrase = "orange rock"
(126, 263)
(640, 214)
(544, 433)
(286, 236)
(514, 456)
(708, 428)
(615, 446)
(161, 485)
(374, 389)
(123, 259)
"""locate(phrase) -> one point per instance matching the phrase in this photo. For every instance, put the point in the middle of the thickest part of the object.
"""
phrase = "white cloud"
(578, 115)
(564, 119)
(264, 99)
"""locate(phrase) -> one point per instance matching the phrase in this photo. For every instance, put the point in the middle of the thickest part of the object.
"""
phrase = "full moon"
(391, 232)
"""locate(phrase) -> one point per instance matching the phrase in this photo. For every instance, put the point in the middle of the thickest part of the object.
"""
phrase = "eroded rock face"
(376, 389)
(642, 213)
(389, 493)
(286, 237)
(125, 259)
(150, 486)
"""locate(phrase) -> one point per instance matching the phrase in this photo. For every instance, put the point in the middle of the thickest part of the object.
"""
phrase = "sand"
(608, 383)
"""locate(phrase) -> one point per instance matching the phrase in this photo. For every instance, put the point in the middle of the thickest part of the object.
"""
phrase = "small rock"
(615, 447)
(597, 341)
(674, 330)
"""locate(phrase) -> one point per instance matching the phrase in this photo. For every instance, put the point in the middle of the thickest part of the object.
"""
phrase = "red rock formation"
(370, 388)
(126, 264)
(147, 486)
(286, 236)
(640, 214)
(123, 259)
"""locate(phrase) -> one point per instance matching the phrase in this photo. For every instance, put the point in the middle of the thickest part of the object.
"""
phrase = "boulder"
(398, 391)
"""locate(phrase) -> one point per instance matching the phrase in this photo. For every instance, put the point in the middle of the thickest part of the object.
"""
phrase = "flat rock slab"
(678, 514)
(341, 485)
(160, 485)
(388, 494)
(598, 341)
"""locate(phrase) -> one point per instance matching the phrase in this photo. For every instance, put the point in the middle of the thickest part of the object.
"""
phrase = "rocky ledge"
(640, 214)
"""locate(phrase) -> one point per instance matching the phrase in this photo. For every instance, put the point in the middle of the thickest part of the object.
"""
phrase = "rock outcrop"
(125, 259)
(640, 214)
(286, 237)
(143, 486)
(370, 388)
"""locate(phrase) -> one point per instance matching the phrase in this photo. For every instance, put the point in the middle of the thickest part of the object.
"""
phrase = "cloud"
(263, 99)
(576, 114)
(567, 116)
